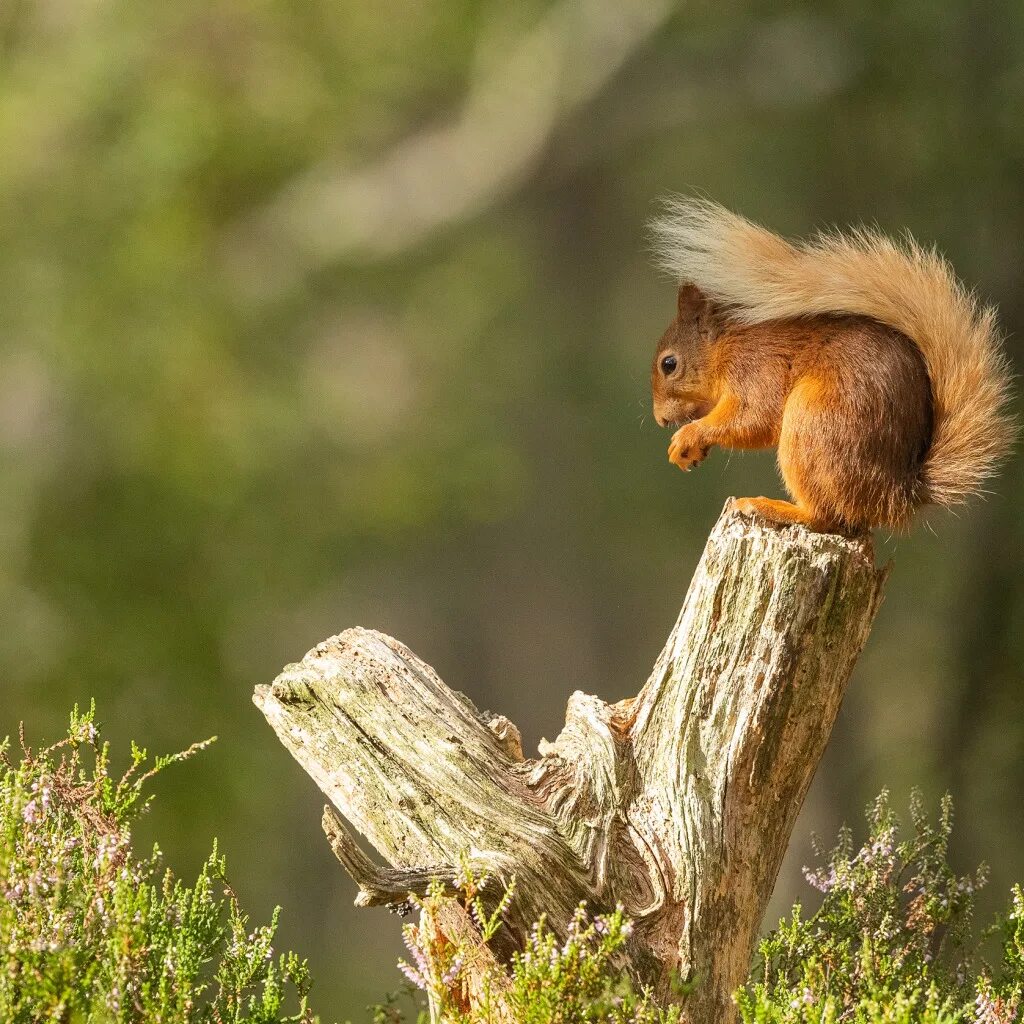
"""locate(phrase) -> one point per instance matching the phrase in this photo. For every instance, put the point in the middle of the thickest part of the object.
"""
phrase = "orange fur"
(877, 376)
(777, 511)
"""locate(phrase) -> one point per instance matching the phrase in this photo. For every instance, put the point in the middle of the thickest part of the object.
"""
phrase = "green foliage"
(575, 981)
(94, 935)
(891, 942)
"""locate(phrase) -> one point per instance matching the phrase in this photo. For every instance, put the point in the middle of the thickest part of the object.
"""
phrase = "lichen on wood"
(677, 803)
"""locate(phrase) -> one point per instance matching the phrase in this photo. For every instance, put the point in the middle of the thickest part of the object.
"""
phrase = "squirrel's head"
(680, 375)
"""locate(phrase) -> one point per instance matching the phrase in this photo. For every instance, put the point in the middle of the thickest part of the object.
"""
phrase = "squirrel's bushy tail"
(760, 276)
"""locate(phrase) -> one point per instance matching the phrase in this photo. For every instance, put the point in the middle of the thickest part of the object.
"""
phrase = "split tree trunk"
(677, 803)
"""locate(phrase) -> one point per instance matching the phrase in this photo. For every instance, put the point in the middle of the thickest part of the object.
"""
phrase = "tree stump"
(677, 803)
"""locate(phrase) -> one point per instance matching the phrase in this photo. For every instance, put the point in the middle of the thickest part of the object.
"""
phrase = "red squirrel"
(879, 378)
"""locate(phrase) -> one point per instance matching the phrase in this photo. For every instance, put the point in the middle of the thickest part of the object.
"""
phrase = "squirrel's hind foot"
(785, 513)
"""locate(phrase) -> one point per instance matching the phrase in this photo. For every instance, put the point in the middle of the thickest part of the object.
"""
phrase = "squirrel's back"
(759, 276)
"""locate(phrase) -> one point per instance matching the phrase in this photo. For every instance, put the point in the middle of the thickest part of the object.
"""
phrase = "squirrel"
(880, 379)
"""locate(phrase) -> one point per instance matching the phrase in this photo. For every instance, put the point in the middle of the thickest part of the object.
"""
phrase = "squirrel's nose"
(660, 420)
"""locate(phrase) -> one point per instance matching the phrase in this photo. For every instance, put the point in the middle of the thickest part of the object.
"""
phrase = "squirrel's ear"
(696, 308)
(692, 302)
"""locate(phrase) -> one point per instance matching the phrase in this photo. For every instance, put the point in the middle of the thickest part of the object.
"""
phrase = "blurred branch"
(444, 174)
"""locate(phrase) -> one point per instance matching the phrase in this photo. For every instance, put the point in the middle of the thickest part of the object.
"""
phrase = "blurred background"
(325, 314)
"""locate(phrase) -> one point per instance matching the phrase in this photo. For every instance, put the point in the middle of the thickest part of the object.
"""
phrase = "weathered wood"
(677, 803)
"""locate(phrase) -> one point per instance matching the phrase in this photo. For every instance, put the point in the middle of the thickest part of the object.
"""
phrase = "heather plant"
(571, 981)
(90, 933)
(891, 942)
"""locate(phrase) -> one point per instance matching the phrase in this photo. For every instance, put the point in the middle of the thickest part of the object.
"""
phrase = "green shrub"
(91, 934)
(575, 981)
(892, 941)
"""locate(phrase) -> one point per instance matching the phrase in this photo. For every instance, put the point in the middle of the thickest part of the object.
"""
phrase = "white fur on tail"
(761, 276)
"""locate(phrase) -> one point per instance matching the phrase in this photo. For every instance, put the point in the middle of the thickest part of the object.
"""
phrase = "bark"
(677, 803)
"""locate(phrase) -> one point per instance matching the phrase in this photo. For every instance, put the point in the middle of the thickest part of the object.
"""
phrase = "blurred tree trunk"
(677, 803)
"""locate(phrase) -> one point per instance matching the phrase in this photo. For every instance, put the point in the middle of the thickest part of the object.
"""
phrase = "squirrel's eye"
(668, 365)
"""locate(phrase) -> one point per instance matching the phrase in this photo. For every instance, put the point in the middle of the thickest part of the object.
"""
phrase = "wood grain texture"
(677, 803)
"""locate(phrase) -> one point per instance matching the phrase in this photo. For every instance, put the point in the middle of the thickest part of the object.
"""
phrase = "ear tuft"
(692, 302)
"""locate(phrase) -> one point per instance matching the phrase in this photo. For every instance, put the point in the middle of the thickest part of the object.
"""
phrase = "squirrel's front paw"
(684, 452)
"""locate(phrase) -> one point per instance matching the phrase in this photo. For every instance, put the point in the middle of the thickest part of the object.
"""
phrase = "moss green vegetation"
(572, 981)
(892, 941)
(92, 934)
